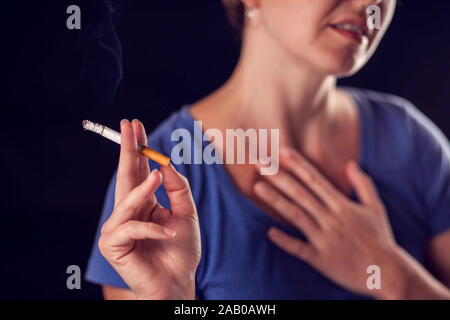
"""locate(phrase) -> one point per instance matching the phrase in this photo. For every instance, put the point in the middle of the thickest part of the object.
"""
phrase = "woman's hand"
(344, 237)
(154, 250)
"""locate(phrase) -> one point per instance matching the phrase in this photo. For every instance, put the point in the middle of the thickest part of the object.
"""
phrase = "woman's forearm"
(406, 279)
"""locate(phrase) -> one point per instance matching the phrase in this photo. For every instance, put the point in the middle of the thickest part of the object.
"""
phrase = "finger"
(133, 230)
(153, 211)
(298, 194)
(311, 177)
(144, 167)
(129, 207)
(363, 186)
(147, 210)
(128, 171)
(141, 137)
(178, 191)
(160, 215)
(291, 245)
(286, 209)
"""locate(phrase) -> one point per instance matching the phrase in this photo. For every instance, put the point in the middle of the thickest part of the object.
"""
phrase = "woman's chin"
(340, 65)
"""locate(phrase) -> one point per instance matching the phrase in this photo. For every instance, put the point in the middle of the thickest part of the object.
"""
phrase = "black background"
(54, 176)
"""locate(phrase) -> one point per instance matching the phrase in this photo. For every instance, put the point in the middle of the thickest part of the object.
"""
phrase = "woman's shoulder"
(383, 104)
(398, 135)
(392, 116)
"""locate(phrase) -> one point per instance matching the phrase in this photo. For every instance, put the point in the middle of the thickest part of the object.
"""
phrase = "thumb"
(178, 191)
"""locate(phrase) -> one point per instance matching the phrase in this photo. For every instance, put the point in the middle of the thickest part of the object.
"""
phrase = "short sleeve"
(432, 152)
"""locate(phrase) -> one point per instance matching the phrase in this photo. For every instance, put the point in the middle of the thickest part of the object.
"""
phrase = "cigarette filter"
(116, 137)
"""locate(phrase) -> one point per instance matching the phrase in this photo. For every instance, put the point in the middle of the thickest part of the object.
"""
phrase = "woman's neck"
(270, 90)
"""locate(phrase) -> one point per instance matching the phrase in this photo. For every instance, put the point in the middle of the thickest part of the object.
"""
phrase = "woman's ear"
(251, 4)
(251, 10)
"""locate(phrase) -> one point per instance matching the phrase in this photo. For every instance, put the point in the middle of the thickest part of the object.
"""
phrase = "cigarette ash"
(91, 126)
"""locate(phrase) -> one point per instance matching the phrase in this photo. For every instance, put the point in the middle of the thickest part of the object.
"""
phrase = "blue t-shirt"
(403, 151)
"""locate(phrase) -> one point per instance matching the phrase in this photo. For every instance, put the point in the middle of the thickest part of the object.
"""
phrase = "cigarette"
(117, 138)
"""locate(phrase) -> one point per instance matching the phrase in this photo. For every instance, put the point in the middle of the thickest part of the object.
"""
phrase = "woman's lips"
(350, 35)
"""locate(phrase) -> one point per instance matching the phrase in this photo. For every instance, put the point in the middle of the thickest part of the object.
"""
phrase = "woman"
(363, 182)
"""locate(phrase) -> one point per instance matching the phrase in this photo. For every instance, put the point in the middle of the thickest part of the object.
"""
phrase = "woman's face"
(316, 31)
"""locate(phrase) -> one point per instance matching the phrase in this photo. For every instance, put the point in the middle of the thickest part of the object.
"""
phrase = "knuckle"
(183, 192)
(104, 227)
(151, 227)
(307, 253)
(325, 246)
(308, 176)
(382, 209)
(119, 207)
(297, 214)
(185, 180)
(298, 191)
(299, 249)
(128, 227)
(331, 226)
(352, 209)
(302, 250)
(342, 207)
(295, 158)
(275, 198)
(102, 244)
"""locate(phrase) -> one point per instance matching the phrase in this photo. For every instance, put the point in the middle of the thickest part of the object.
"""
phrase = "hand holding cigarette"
(116, 137)
(154, 250)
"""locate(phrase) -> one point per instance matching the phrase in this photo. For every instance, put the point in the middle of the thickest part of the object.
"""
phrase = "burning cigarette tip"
(91, 126)
(85, 124)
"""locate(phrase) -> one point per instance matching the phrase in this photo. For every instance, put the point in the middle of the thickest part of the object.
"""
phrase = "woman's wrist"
(394, 277)
(403, 278)
(173, 291)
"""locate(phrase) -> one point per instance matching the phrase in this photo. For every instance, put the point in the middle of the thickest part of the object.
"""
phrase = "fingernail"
(354, 165)
(156, 171)
(353, 169)
(122, 122)
(169, 232)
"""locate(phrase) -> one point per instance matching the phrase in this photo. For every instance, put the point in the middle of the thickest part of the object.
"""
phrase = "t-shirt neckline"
(250, 206)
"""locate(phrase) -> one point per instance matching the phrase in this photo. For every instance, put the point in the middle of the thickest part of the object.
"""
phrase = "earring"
(250, 13)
